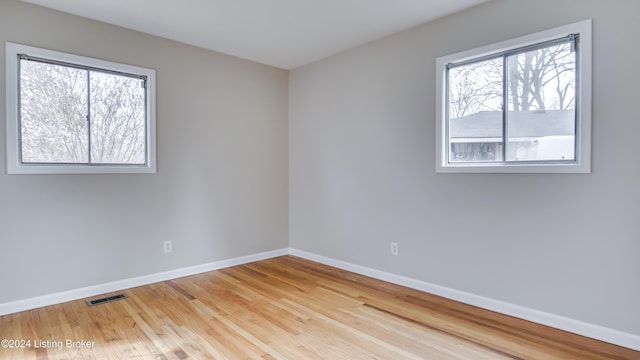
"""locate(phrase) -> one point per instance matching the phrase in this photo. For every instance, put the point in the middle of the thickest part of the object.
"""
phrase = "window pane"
(53, 103)
(117, 119)
(541, 93)
(475, 111)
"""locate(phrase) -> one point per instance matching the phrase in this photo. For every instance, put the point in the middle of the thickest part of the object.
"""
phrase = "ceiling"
(282, 33)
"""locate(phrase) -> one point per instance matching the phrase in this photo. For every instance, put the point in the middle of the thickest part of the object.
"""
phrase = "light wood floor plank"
(289, 308)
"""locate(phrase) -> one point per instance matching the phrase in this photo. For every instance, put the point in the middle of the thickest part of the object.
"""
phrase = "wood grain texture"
(287, 308)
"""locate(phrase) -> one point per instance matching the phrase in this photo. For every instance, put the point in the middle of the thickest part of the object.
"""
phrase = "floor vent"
(106, 299)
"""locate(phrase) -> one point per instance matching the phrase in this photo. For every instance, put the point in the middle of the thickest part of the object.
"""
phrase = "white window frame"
(14, 164)
(582, 164)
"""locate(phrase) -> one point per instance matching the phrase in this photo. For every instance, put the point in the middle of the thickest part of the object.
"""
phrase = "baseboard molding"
(597, 332)
(612, 336)
(57, 298)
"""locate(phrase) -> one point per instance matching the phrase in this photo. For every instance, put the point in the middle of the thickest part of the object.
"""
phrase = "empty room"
(286, 179)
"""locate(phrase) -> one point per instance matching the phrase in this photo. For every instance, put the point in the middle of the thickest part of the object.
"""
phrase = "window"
(68, 114)
(522, 105)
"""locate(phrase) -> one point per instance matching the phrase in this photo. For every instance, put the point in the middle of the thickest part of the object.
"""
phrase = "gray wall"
(220, 191)
(362, 171)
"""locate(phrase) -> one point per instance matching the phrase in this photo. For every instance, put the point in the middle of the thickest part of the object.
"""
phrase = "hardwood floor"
(286, 308)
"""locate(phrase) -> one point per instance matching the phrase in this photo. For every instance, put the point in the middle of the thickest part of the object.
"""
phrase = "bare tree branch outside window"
(80, 116)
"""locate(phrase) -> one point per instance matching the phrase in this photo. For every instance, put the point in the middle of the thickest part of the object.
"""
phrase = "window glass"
(117, 119)
(53, 108)
(475, 103)
(540, 122)
(541, 95)
(61, 124)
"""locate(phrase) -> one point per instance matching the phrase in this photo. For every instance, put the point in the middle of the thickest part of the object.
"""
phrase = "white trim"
(628, 340)
(57, 298)
(583, 110)
(602, 333)
(14, 166)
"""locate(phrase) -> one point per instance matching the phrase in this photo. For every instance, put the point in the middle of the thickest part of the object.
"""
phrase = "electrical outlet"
(168, 246)
(394, 248)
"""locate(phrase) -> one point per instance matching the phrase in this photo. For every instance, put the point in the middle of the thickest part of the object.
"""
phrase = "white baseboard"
(602, 333)
(616, 337)
(57, 298)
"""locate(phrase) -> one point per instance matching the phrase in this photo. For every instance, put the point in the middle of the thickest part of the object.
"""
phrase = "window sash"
(89, 69)
(572, 39)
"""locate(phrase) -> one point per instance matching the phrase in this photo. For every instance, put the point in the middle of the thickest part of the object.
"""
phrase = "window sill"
(14, 169)
(488, 168)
